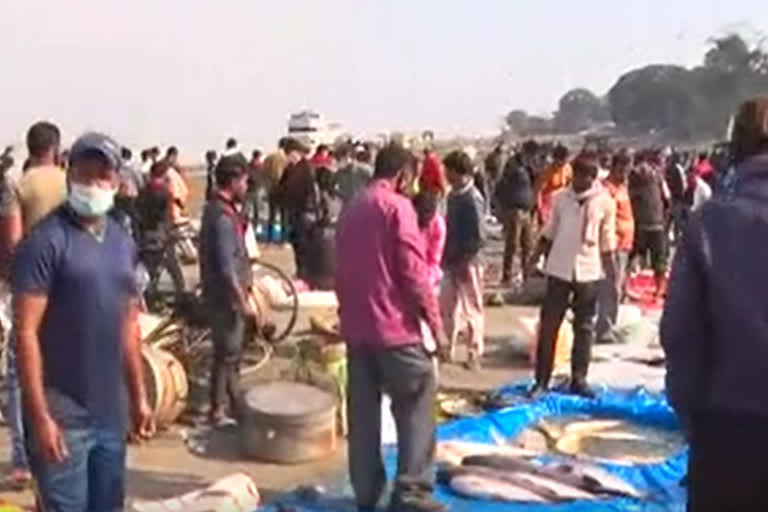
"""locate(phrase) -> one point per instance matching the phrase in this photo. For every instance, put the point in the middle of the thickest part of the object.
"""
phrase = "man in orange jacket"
(612, 287)
(554, 178)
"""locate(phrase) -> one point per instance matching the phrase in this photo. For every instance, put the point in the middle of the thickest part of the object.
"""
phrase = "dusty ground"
(166, 467)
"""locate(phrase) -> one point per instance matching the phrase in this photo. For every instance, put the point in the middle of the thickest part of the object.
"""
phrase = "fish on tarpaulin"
(574, 474)
(483, 482)
(454, 451)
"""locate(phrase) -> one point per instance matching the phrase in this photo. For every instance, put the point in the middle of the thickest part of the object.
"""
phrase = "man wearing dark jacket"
(514, 199)
(649, 196)
(714, 332)
(298, 195)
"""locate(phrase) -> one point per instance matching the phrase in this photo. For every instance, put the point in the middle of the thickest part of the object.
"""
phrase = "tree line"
(662, 99)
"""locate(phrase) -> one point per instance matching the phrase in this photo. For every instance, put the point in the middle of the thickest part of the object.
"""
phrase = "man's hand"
(50, 440)
(143, 421)
(443, 346)
(609, 263)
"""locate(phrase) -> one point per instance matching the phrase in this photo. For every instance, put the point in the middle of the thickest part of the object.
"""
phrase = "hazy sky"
(192, 72)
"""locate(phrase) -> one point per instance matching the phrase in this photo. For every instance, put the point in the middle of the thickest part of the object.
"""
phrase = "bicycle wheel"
(280, 297)
(166, 286)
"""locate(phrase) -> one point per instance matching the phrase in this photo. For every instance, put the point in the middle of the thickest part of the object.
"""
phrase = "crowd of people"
(400, 237)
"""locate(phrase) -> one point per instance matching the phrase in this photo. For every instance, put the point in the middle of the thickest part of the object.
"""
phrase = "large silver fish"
(599, 480)
(489, 488)
(583, 476)
(547, 488)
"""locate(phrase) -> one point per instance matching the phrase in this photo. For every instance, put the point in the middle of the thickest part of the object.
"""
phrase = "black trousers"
(407, 376)
(301, 238)
(556, 303)
(653, 242)
(728, 463)
(229, 330)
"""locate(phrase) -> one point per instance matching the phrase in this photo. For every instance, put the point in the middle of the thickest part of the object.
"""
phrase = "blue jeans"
(91, 479)
(12, 411)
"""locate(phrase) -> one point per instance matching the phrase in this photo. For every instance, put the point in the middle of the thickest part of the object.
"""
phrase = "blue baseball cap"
(94, 142)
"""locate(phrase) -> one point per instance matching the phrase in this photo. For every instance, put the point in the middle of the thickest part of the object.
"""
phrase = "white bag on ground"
(235, 493)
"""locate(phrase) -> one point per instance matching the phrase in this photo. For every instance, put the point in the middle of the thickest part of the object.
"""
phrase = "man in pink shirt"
(382, 282)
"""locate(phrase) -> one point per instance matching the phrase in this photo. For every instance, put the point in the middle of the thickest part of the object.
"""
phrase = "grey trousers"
(228, 330)
(611, 289)
(407, 376)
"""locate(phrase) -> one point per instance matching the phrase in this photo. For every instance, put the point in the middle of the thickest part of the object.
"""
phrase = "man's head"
(126, 154)
(363, 154)
(231, 143)
(750, 130)
(459, 168)
(158, 170)
(343, 154)
(256, 156)
(620, 166)
(703, 156)
(584, 173)
(295, 150)
(560, 154)
(93, 179)
(43, 140)
(323, 150)
(232, 178)
(393, 163)
(154, 153)
(283, 142)
(172, 155)
(210, 157)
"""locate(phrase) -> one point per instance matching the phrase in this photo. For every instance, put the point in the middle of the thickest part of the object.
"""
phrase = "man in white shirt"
(697, 193)
(579, 241)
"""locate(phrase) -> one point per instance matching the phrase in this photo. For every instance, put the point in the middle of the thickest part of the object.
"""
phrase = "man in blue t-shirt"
(75, 305)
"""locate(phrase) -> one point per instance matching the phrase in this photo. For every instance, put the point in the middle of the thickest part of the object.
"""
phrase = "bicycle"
(186, 334)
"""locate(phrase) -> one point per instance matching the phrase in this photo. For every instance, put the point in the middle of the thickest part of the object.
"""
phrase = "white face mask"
(90, 201)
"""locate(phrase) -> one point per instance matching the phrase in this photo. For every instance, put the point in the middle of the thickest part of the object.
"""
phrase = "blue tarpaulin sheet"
(660, 482)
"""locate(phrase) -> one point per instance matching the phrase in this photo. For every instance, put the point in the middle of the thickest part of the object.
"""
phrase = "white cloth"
(580, 231)
(701, 194)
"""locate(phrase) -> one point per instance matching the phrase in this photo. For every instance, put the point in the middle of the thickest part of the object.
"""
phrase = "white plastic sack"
(251, 246)
(388, 427)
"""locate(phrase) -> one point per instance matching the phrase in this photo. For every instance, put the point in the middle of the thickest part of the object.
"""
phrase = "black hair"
(256, 154)
(125, 153)
(321, 148)
(703, 155)
(158, 169)
(228, 170)
(621, 159)
(173, 150)
(145, 155)
(560, 152)
(364, 155)
(391, 160)
(231, 143)
(585, 164)
(42, 137)
(210, 155)
(283, 142)
(294, 145)
(460, 163)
